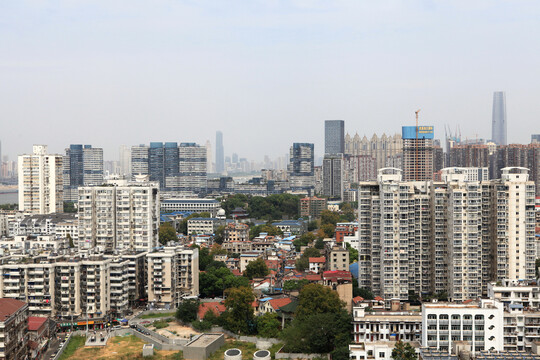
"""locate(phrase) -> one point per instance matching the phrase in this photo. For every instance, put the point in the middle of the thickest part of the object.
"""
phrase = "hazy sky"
(266, 73)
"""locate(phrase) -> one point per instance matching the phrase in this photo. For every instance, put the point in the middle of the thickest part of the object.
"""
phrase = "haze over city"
(266, 73)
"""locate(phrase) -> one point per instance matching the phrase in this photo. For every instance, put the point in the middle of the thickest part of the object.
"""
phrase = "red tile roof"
(378, 298)
(337, 275)
(357, 299)
(313, 277)
(217, 307)
(320, 259)
(277, 303)
(8, 307)
(35, 322)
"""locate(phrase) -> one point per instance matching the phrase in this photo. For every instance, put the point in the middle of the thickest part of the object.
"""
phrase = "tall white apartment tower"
(41, 189)
(513, 201)
(394, 232)
(121, 215)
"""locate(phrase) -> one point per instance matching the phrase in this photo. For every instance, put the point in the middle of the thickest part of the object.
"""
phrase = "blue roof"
(266, 299)
(288, 222)
(290, 238)
(201, 201)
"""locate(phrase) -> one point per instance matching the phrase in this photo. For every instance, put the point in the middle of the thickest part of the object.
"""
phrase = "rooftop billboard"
(424, 132)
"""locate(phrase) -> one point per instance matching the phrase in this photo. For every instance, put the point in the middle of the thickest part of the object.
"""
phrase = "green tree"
(403, 351)
(268, 325)
(217, 278)
(327, 231)
(353, 253)
(365, 293)
(218, 236)
(187, 311)
(319, 244)
(312, 225)
(256, 269)
(291, 285)
(70, 241)
(304, 240)
(317, 299)
(9, 206)
(69, 207)
(254, 231)
(239, 316)
(329, 217)
(166, 233)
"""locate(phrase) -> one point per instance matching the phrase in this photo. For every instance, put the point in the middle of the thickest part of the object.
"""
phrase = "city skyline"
(148, 73)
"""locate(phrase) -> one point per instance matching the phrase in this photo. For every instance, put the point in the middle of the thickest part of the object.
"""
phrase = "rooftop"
(8, 307)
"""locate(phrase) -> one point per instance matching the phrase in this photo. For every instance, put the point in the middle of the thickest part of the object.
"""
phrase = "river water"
(9, 198)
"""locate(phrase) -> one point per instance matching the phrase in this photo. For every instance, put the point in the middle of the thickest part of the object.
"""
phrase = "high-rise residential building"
(83, 166)
(516, 155)
(334, 137)
(333, 176)
(312, 206)
(220, 155)
(301, 166)
(125, 161)
(418, 159)
(173, 272)
(192, 168)
(139, 160)
(451, 236)
(13, 329)
(119, 215)
(535, 139)
(394, 235)
(499, 123)
(359, 168)
(468, 156)
(382, 149)
(41, 186)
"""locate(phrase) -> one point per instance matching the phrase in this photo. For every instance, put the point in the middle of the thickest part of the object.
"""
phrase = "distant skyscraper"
(83, 165)
(170, 164)
(192, 160)
(333, 176)
(499, 124)
(125, 160)
(139, 160)
(210, 167)
(535, 138)
(334, 137)
(220, 157)
(41, 188)
(156, 165)
(301, 166)
(417, 153)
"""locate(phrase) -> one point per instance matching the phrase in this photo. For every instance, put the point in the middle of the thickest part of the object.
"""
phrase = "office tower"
(333, 176)
(535, 139)
(41, 186)
(334, 137)
(125, 161)
(380, 148)
(192, 168)
(516, 155)
(170, 165)
(220, 155)
(119, 215)
(1, 159)
(417, 153)
(499, 123)
(83, 165)
(301, 166)
(210, 166)
(156, 164)
(139, 160)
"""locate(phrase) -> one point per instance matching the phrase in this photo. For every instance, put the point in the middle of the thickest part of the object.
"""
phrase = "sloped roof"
(35, 322)
(278, 303)
(8, 307)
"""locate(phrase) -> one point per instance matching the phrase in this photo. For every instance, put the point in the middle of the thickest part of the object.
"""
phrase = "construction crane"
(416, 148)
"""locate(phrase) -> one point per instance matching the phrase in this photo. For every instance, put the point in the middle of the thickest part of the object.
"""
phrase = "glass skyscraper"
(334, 137)
(499, 125)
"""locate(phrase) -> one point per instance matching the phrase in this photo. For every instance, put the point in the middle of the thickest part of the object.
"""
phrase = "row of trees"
(273, 207)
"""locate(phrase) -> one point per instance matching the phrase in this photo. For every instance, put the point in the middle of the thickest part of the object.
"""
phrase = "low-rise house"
(316, 264)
